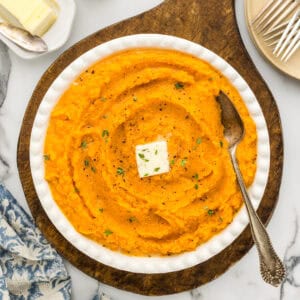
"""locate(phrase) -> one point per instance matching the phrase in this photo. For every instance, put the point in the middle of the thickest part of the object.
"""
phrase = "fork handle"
(271, 267)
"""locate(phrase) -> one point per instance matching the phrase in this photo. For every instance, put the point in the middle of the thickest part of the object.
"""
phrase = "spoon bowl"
(233, 125)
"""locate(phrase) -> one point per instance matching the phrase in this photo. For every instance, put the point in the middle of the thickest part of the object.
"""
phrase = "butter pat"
(36, 16)
(152, 159)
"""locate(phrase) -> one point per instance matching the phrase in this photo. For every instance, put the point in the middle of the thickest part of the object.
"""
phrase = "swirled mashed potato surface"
(133, 98)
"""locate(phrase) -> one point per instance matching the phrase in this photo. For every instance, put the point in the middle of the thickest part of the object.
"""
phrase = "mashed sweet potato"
(137, 97)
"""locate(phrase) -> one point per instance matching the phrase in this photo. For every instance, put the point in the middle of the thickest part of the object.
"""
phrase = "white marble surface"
(242, 281)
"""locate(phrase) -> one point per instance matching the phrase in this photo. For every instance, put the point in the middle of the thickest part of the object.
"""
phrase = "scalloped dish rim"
(148, 265)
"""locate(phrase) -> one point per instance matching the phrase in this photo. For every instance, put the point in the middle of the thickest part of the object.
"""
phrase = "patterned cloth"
(29, 267)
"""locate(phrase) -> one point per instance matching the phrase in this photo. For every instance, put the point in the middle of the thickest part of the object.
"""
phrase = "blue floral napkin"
(29, 267)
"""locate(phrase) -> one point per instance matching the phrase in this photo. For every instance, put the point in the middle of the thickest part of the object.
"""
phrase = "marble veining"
(100, 294)
(196, 295)
(291, 284)
(5, 67)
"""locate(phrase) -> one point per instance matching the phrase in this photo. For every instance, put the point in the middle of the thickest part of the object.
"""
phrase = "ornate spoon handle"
(271, 267)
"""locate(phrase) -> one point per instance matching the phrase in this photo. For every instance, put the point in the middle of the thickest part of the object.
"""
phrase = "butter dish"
(56, 36)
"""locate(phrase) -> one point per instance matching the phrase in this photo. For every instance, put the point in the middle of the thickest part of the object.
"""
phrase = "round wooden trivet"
(213, 25)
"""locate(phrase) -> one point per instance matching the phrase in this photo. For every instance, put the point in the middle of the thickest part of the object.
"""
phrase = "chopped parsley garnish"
(183, 162)
(199, 141)
(120, 171)
(156, 151)
(108, 232)
(83, 144)
(132, 219)
(179, 85)
(172, 162)
(46, 157)
(196, 186)
(196, 176)
(105, 133)
(220, 219)
(146, 174)
(156, 169)
(142, 156)
(221, 144)
(211, 212)
(134, 98)
(86, 162)
(101, 210)
(93, 169)
(103, 99)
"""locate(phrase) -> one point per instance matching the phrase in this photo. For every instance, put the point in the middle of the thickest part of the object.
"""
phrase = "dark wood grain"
(210, 23)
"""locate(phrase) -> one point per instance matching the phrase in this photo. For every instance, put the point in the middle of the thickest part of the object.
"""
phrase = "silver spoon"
(23, 38)
(271, 267)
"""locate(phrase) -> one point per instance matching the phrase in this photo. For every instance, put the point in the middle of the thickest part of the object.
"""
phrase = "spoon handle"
(271, 267)
(23, 38)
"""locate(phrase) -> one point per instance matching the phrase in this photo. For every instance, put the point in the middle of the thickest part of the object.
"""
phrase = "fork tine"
(294, 45)
(268, 14)
(270, 31)
(289, 37)
(288, 11)
(264, 9)
(272, 44)
(276, 14)
(288, 34)
(273, 36)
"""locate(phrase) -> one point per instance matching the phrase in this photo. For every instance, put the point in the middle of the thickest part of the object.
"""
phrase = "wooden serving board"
(212, 24)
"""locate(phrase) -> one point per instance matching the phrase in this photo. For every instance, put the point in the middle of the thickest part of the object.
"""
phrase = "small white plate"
(56, 36)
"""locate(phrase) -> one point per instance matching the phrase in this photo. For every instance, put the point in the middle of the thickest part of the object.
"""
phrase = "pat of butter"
(152, 159)
(36, 16)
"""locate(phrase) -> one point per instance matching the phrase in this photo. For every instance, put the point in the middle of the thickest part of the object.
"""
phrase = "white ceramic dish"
(56, 36)
(96, 251)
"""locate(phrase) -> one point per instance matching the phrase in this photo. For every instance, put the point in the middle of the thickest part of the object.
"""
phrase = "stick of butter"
(36, 16)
